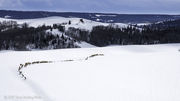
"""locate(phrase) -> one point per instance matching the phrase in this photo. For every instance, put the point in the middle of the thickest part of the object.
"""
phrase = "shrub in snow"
(69, 22)
(81, 20)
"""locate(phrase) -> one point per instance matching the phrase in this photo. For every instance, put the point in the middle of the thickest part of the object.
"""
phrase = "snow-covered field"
(75, 22)
(124, 73)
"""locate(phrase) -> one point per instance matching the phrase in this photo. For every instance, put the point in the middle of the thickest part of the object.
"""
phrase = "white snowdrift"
(124, 73)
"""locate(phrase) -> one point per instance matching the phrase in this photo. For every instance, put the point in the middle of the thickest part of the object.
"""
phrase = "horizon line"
(120, 13)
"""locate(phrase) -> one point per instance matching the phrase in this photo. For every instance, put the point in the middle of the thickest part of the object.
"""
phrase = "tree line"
(23, 37)
(165, 32)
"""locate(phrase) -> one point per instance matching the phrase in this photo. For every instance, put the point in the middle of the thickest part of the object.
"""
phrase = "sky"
(101, 6)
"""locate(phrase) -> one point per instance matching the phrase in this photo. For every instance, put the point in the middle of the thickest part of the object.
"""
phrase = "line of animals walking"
(21, 66)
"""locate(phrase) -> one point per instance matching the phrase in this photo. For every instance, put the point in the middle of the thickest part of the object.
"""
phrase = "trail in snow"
(34, 86)
(21, 66)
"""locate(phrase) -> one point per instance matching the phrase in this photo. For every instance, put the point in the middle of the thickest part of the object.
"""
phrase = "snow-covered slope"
(81, 44)
(75, 22)
(124, 73)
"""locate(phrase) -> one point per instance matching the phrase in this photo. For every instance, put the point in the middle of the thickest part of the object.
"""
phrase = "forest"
(23, 37)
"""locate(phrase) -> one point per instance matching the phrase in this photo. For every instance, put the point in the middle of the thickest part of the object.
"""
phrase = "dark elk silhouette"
(20, 72)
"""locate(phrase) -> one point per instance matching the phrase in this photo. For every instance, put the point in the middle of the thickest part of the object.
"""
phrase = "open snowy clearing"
(75, 22)
(122, 73)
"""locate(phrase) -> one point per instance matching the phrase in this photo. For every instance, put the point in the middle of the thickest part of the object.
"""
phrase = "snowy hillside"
(76, 31)
(81, 44)
(75, 22)
(116, 73)
(100, 17)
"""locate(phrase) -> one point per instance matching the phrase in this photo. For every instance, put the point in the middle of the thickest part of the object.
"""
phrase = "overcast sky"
(112, 6)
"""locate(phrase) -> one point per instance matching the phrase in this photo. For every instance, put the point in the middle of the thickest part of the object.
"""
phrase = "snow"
(75, 22)
(121, 25)
(143, 24)
(98, 19)
(7, 17)
(81, 44)
(84, 44)
(124, 73)
(54, 32)
(101, 15)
